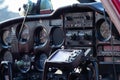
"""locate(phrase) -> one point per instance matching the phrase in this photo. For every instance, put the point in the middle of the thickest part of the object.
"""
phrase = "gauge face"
(40, 61)
(24, 64)
(56, 37)
(23, 33)
(8, 56)
(6, 37)
(103, 30)
(41, 36)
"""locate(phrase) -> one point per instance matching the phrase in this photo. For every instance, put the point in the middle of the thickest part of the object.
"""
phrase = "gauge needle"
(22, 26)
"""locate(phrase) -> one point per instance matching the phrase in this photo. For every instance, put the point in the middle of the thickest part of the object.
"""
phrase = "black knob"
(73, 37)
(69, 18)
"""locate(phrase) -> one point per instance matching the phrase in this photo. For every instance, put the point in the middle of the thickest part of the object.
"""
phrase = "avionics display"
(72, 59)
(75, 20)
(79, 29)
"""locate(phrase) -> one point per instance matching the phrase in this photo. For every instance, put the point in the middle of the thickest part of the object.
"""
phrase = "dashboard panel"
(29, 44)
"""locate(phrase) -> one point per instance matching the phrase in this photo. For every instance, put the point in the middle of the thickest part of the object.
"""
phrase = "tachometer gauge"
(23, 33)
(24, 64)
(40, 36)
(6, 37)
(103, 30)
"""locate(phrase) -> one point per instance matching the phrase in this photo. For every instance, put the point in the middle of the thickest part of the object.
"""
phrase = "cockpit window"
(15, 8)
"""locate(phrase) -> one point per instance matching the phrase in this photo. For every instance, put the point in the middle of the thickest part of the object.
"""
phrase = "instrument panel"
(28, 45)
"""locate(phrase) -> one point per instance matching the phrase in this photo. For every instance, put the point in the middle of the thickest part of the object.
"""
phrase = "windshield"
(10, 8)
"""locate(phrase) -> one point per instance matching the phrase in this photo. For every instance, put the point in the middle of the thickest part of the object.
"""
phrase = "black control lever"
(8, 69)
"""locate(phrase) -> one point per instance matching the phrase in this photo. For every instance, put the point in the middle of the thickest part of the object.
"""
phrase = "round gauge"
(8, 56)
(24, 64)
(56, 37)
(103, 30)
(23, 33)
(40, 36)
(6, 37)
(40, 61)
